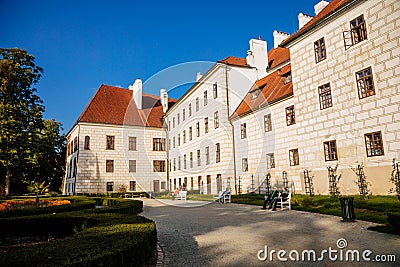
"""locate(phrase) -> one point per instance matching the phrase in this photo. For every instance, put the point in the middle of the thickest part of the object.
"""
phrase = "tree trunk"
(7, 185)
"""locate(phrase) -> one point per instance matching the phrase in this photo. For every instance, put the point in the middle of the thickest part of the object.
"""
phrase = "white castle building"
(326, 96)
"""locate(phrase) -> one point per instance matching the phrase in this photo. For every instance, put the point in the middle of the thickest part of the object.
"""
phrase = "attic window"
(256, 92)
(288, 78)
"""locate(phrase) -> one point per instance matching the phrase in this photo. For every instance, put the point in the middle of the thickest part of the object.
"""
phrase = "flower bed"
(29, 203)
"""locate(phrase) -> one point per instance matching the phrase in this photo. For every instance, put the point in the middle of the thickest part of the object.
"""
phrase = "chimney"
(198, 76)
(303, 19)
(279, 37)
(257, 56)
(137, 92)
(164, 99)
(319, 6)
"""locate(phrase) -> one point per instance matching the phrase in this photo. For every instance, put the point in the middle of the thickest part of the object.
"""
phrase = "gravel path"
(232, 234)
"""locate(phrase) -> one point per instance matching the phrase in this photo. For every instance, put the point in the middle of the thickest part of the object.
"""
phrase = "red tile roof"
(273, 88)
(277, 56)
(114, 105)
(332, 7)
(234, 61)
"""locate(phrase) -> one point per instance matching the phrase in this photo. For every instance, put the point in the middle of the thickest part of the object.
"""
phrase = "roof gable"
(115, 105)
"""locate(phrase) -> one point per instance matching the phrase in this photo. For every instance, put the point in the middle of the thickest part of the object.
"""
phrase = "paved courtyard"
(193, 234)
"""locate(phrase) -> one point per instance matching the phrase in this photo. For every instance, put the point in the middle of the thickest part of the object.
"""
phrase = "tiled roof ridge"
(328, 10)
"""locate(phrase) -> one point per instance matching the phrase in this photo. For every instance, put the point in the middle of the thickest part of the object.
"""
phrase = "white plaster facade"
(208, 174)
(350, 117)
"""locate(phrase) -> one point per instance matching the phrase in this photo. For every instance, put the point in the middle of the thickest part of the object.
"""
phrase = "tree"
(50, 153)
(20, 112)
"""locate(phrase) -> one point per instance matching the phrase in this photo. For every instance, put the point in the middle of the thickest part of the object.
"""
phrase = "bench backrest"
(183, 193)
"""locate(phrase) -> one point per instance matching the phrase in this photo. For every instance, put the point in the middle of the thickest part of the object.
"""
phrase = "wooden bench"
(286, 202)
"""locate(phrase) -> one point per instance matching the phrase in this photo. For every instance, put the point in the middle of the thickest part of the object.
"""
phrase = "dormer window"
(255, 93)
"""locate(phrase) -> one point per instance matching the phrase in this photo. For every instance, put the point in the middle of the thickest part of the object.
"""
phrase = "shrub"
(94, 237)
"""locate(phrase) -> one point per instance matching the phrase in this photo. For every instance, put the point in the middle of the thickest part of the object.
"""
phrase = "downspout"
(230, 122)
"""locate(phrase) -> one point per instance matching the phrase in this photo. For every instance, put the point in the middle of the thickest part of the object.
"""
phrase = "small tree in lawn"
(333, 181)
(361, 180)
(395, 178)
(38, 189)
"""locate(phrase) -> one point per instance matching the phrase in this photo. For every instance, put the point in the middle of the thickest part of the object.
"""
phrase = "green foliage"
(395, 178)
(93, 238)
(30, 147)
(37, 188)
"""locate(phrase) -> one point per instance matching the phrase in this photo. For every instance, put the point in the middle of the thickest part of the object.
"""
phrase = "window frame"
(110, 142)
(132, 143)
(320, 50)
(365, 79)
(245, 165)
(290, 115)
(217, 152)
(86, 145)
(294, 158)
(371, 146)
(267, 123)
(243, 131)
(160, 164)
(215, 90)
(270, 161)
(109, 166)
(323, 92)
(216, 120)
(205, 98)
(110, 186)
(158, 144)
(330, 150)
(132, 165)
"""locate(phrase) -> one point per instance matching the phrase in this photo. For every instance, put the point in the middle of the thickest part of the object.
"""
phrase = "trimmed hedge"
(110, 236)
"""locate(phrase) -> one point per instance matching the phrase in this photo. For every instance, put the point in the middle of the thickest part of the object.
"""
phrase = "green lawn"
(373, 209)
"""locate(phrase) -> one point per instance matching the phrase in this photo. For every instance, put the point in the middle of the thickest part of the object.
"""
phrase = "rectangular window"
(179, 139)
(365, 83)
(243, 133)
(245, 165)
(109, 165)
(294, 157)
(110, 186)
(325, 96)
(357, 32)
(197, 104)
(173, 142)
(132, 185)
(132, 143)
(190, 110)
(191, 159)
(87, 143)
(330, 150)
(270, 161)
(183, 115)
(207, 155)
(159, 165)
(184, 162)
(163, 185)
(319, 50)
(198, 158)
(179, 118)
(75, 144)
(190, 133)
(267, 123)
(205, 98)
(174, 164)
(198, 129)
(169, 125)
(184, 136)
(216, 120)
(173, 122)
(290, 116)
(206, 125)
(358, 29)
(110, 142)
(179, 163)
(215, 90)
(217, 153)
(374, 144)
(158, 144)
(132, 165)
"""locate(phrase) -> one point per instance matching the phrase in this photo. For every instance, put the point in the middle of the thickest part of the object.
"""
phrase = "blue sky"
(83, 44)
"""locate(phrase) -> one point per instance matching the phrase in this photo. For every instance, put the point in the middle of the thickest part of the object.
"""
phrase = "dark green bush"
(394, 219)
(94, 237)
